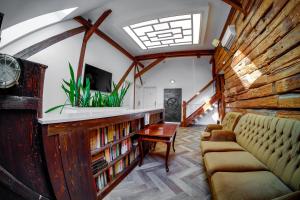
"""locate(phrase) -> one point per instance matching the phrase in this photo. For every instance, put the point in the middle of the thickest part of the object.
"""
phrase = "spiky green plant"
(85, 99)
(97, 100)
(79, 95)
(73, 91)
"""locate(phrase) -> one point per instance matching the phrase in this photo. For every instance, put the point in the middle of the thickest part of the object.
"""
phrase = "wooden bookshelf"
(98, 150)
(72, 158)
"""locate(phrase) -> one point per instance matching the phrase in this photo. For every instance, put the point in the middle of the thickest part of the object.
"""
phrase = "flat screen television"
(100, 79)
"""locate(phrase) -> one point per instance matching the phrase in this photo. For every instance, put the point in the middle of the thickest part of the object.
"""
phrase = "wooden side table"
(165, 133)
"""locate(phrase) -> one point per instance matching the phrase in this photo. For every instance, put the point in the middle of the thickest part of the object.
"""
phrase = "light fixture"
(167, 31)
(215, 42)
(134, 37)
(227, 39)
(172, 81)
(196, 28)
(19, 30)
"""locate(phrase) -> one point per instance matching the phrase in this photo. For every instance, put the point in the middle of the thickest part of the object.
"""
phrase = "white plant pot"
(70, 109)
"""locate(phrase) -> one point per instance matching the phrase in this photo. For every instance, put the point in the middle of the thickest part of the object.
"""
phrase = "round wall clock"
(10, 71)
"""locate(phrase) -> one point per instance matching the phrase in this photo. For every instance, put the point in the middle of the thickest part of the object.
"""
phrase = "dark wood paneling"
(21, 191)
(54, 164)
(21, 144)
(76, 160)
(69, 127)
(16, 102)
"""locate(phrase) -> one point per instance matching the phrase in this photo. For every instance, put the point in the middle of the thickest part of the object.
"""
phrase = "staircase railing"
(187, 120)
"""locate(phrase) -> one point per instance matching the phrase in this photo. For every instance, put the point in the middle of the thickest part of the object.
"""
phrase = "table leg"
(154, 146)
(140, 143)
(167, 156)
(174, 142)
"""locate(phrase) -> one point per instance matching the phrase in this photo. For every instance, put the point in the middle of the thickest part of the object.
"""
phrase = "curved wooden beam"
(105, 37)
(87, 36)
(150, 66)
(235, 4)
(208, 52)
(126, 74)
(33, 49)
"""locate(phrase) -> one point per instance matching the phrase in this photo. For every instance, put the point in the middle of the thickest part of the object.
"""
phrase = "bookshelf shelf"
(82, 148)
(98, 150)
(112, 163)
(116, 180)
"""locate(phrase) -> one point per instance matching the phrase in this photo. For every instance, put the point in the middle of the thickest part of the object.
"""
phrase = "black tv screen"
(100, 79)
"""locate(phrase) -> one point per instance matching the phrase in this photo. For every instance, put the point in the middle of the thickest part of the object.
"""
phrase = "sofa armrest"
(205, 136)
(289, 196)
(211, 127)
(222, 135)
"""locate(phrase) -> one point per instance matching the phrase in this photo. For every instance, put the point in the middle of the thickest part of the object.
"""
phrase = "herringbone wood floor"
(186, 179)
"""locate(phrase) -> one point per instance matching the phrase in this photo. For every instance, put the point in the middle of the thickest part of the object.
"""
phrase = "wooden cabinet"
(68, 153)
(23, 168)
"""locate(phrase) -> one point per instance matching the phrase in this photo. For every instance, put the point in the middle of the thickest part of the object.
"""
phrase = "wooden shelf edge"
(101, 194)
(17, 102)
(98, 150)
(112, 163)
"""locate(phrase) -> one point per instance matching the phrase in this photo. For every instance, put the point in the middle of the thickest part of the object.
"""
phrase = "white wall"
(56, 57)
(189, 73)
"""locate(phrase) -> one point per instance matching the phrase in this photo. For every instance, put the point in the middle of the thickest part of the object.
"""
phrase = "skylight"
(164, 32)
(17, 31)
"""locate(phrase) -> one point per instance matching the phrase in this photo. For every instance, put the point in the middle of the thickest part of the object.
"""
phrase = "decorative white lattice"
(164, 32)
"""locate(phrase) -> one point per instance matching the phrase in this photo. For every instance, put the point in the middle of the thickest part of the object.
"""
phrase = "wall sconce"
(227, 39)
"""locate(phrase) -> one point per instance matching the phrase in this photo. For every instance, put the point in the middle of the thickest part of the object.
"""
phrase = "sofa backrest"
(230, 120)
(275, 142)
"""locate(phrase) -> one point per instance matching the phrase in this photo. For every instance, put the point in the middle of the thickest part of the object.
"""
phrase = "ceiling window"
(168, 31)
(19, 30)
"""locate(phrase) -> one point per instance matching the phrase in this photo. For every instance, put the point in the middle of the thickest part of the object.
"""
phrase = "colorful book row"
(103, 136)
(116, 150)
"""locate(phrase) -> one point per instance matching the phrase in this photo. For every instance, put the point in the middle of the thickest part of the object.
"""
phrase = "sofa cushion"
(275, 142)
(231, 161)
(230, 120)
(211, 146)
(255, 185)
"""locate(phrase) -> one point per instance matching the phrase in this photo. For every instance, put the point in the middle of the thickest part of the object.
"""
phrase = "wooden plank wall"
(262, 68)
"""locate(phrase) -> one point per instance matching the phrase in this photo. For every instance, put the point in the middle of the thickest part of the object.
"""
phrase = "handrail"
(186, 119)
(200, 91)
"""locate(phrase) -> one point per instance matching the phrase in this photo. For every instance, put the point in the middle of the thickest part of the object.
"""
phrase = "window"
(19, 30)
(168, 31)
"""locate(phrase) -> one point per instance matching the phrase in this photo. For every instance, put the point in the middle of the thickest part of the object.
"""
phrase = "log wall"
(262, 68)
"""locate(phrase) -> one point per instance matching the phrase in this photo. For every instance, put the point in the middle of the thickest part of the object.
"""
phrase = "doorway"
(145, 97)
(149, 96)
(172, 104)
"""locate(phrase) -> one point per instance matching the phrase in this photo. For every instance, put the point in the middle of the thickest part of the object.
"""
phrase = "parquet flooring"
(186, 179)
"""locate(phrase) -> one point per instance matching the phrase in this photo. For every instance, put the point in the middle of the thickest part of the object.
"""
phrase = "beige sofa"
(228, 124)
(260, 159)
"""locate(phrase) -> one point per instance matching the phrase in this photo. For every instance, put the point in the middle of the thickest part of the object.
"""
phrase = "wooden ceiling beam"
(87, 36)
(176, 54)
(236, 4)
(97, 23)
(105, 37)
(126, 74)
(138, 71)
(150, 66)
(35, 48)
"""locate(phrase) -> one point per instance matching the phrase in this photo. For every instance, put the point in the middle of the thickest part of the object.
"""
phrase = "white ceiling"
(124, 12)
